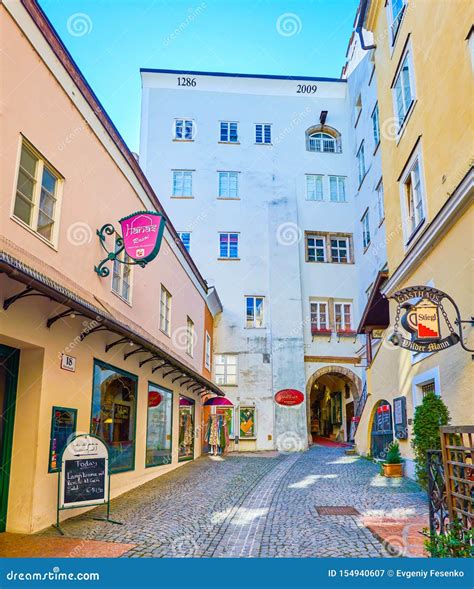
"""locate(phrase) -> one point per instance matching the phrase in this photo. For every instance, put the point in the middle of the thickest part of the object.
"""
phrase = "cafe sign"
(142, 234)
(289, 397)
(426, 324)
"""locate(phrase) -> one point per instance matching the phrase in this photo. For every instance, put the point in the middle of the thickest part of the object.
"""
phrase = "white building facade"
(259, 177)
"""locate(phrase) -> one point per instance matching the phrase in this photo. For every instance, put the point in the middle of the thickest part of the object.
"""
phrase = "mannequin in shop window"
(217, 434)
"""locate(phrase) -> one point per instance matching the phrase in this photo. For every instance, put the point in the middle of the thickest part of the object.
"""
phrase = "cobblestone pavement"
(256, 505)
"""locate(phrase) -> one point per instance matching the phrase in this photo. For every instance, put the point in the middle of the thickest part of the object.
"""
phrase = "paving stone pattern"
(258, 505)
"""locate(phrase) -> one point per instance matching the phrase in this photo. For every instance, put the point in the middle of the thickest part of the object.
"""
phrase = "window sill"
(119, 296)
(228, 259)
(254, 327)
(228, 198)
(350, 333)
(413, 235)
(381, 222)
(229, 142)
(358, 117)
(376, 147)
(183, 140)
(338, 201)
(366, 248)
(228, 385)
(321, 332)
(165, 333)
(269, 144)
(33, 232)
(362, 181)
(182, 197)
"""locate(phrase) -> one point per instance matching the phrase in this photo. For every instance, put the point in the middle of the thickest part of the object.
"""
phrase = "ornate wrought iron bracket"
(28, 292)
(84, 334)
(160, 366)
(139, 350)
(151, 359)
(68, 313)
(102, 270)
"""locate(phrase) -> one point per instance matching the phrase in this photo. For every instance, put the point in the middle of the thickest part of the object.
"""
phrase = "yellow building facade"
(423, 59)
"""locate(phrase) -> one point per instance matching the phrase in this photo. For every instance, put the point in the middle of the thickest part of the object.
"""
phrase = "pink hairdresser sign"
(142, 233)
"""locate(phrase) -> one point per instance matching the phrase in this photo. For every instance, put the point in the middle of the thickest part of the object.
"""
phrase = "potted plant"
(393, 465)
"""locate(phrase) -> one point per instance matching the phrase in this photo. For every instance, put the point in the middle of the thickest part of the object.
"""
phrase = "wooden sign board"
(84, 474)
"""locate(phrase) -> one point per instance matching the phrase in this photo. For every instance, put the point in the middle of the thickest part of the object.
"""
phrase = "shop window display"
(159, 426)
(247, 422)
(113, 414)
(186, 429)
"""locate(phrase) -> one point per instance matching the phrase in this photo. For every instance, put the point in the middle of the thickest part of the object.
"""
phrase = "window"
(322, 142)
(114, 398)
(314, 187)
(190, 336)
(165, 311)
(248, 422)
(315, 248)
(340, 250)
(375, 125)
(182, 183)
(263, 133)
(365, 229)
(337, 188)
(229, 184)
(342, 316)
(229, 132)
(184, 129)
(207, 352)
(36, 193)
(397, 8)
(185, 237)
(159, 426)
(403, 90)
(357, 110)
(229, 245)
(226, 369)
(319, 317)
(254, 311)
(380, 202)
(428, 388)
(361, 162)
(122, 273)
(413, 193)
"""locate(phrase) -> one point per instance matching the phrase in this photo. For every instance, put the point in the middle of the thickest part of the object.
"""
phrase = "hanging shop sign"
(421, 313)
(289, 397)
(400, 418)
(84, 478)
(142, 234)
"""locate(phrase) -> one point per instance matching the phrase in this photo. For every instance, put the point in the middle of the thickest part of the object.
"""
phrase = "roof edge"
(237, 75)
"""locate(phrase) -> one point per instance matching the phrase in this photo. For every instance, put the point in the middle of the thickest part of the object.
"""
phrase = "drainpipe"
(360, 22)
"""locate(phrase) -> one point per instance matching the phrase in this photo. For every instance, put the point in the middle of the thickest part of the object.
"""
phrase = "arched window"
(323, 139)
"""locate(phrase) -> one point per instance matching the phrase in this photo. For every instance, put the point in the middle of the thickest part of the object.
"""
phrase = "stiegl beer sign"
(420, 312)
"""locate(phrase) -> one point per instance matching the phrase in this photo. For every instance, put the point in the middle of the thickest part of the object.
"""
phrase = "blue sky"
(111, 39)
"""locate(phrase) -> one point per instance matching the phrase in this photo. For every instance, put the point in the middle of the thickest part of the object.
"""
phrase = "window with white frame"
(413, 197)
(361, 162)
(182, 183)
(228, 245)
(122, 273)
(228, 132)
(365, 229)
(403, 89)
(380, 202)
(337, 188)
(185, 237)
(314, 187)
(190, 336)
(254, 311)
(263, 133)
(319, 317)
(315, 248)
(225, 367)
(36, 196)
(340, 250)
(229, 184)
(184, 129)
(165, 311)
(376, 125)
(343, 317)
(207, 352)
(322, 142)
(396, 10)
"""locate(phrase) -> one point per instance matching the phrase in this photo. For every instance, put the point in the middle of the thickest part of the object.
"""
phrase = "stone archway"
(329, 385)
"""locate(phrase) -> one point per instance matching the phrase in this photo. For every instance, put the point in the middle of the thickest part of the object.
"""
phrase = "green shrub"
(429, 416)
(455, 543)
(393, 454)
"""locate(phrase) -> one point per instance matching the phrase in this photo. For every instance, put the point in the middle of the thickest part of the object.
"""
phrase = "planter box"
(392, 470)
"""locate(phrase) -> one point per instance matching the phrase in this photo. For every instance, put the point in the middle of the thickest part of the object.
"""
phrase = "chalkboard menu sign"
(84, 474)
(63, 425)
(84, 480)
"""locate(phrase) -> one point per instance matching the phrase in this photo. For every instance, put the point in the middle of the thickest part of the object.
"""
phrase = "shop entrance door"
(186, 429)
(382, 431)
(9, 361)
